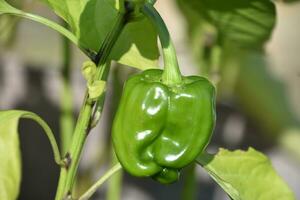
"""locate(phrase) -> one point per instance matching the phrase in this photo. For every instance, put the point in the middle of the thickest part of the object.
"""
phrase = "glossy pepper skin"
(159, 129)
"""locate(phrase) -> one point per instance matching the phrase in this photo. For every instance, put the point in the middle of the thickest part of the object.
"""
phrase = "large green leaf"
(71, 10)
(137, 45)
(92, 20)
(10, 161)
(246, 175)
(246, 23)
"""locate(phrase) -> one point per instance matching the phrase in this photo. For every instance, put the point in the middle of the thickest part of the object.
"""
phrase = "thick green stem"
(73, 157)
(66, 116)
(171, 75)
(61, 184)
(80, 134)
(83, 125)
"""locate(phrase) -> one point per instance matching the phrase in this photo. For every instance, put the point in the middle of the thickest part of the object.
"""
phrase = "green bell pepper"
(159, 129)
(164, 120)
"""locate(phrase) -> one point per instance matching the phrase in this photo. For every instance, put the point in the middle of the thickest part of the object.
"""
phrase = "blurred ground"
(29, 79)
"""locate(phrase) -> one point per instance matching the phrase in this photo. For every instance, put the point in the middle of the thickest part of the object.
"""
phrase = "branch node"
(66, 162)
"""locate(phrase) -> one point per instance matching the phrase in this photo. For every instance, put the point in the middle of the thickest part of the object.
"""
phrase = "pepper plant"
(164, 120)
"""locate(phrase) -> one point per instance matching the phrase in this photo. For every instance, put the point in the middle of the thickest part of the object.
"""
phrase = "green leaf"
(142, 51)
(246, 175)
(137, 45)
(10, 161)
(246, 23)
(69, 10)
(6, 8)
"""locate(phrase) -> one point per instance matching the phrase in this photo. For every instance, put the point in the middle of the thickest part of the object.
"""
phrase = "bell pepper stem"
(171, 74)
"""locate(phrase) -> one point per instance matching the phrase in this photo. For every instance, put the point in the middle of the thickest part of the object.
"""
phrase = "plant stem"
(66, 116)
(189, 184)
(106, 176)
(82, 129)
(61, 184)
(114, 184)
(74, 155)
(48, 23)
(171, 75)
(80, 134)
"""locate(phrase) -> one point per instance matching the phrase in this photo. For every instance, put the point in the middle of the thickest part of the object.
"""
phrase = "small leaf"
(88, 71)
(10, 161)
(246, 175)
(96, 89)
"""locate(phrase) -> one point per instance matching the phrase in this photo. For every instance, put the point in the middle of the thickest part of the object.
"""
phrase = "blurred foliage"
(246, 23)
(8, 25)
(260, 95)
(227, 40)
(288, 1)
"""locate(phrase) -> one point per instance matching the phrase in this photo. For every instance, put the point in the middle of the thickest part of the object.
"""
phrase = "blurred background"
(258, 99)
